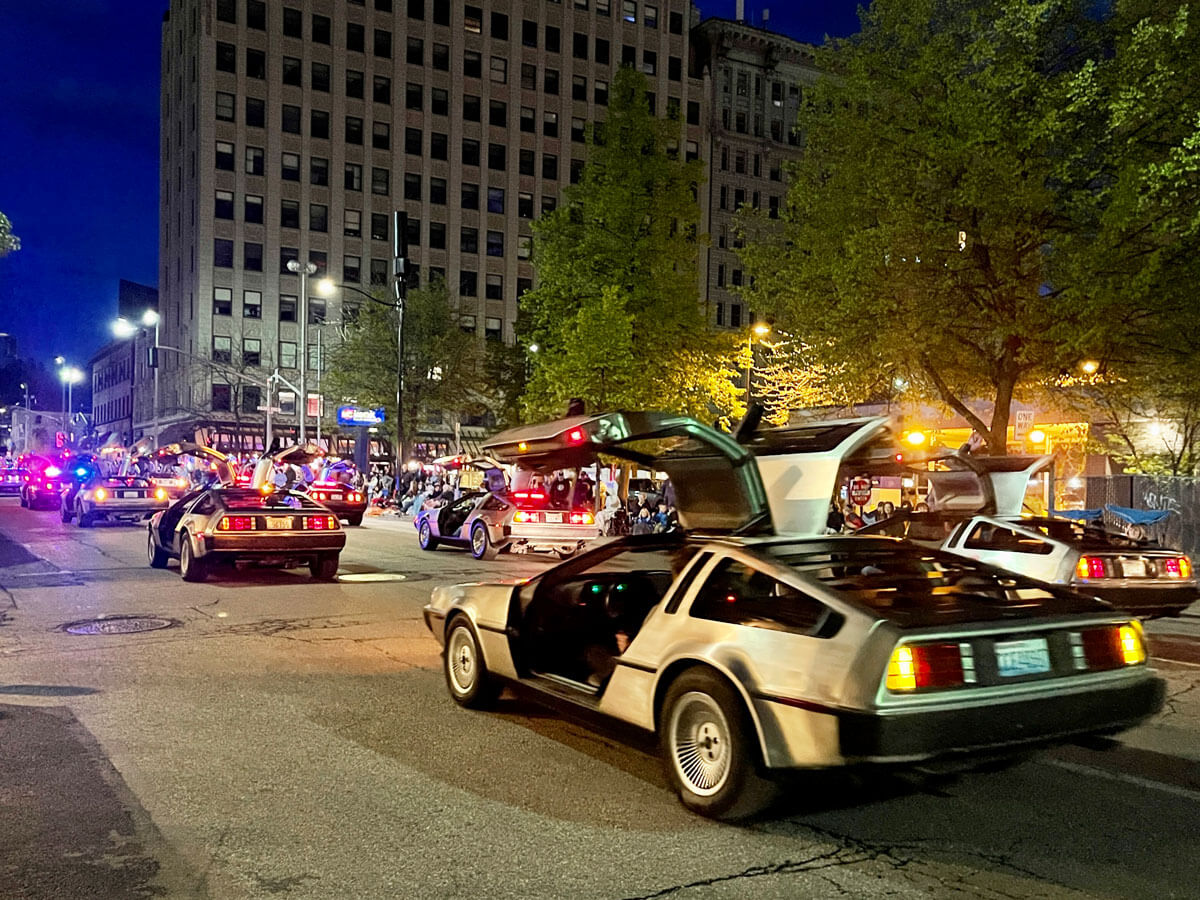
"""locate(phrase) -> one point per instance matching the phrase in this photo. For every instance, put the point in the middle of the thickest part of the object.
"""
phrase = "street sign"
(314, 406)
(1022, 422)
(352, 415)
(860, 490)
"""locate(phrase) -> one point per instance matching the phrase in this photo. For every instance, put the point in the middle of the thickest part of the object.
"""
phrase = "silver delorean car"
(748, 651)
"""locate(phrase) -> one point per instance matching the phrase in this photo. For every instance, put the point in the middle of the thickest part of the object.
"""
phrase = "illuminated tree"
(8, 240)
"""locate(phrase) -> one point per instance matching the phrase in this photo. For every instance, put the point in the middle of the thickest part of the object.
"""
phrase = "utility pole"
(400, 292)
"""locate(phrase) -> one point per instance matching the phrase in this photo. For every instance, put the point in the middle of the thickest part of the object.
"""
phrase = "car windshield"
(126, 482)
(250, 499)
(915, 586)
(1082, 536)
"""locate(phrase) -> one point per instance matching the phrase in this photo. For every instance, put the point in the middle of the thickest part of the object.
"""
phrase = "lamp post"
(123, 328)
(304, 270)
(71, 376)
(60, 362)
(762, 330)
(326, 287)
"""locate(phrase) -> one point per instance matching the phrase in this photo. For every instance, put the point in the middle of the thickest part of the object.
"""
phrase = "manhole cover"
(118, 625)
(370, 577)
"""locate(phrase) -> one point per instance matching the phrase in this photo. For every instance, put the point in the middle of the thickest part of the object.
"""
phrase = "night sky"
(79, 155)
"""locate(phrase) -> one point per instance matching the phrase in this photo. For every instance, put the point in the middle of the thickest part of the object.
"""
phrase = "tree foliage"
(8, 240)
(443, 365)
(616, 313)
(917, 239)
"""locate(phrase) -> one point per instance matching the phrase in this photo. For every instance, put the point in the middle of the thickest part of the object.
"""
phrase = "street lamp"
(326, 287)
(124, 329)
(762, 329)
(61, 361)
(304, 270)
(71, 376)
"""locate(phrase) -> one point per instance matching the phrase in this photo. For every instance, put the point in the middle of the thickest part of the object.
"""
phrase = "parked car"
(41, 483)
(749, 652)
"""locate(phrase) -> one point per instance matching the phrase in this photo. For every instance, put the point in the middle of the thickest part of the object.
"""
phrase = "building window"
(381, 135)
(318, 217)
(351, 269)
(493, 328)
(650, 16)
(356, 37)
(524, 205)
(354, 84)
(293, 23)
(472, 64)
(225, 106)
(288, 304)
(412, 186)
(468, 284)
(321, 28)
(316, 311)
(471, 108)
(352, 180)
(604, 7)
(469, 241)
(497, 156)
(495, 243)
(550, 81)
(439, 145)
(473, 19)
(441, 57)
(493, 287)
(579, 46)
(439, 102)
(318, 171)
(252, 304)
(251, 397)
(437, 191)
(576, 170)
(499, 70)
(550, 124)
(221, 393)
(553, 39)
(224, 156)
(528, 119)
(380, 181)
(222, 253)
(470, 195)
(379, 275)
(287, 255)
(437, 235)
(289, 213)
(649, 63)
(495, 200)
(253, 209)
(467, 324)
(352, 223)
(601, 93)
(251, 352)
(226, 57)
(318, 124)
(287, 350)
(528, 77)
(413, 140)
(499, 26)
(379, 226)
(549, 203)
(383, 43)
(252, 256)
(529, 34)
(256, 63)
(222, 350)
(524, 247)
(290, 118)
(227, 11)
(320, 77)
(603, 52)
(579, 88)
(256, 15)
(382, 90)
(550, 166)
(222, 301)
(498, 113)
(223, 207)
(526, 162)
(470, 152)
(629, 10)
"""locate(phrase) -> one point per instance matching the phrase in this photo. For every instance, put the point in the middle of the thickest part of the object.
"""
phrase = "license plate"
(129, 495)
(1133, 568)
(1026, 657)
(279, 523)
(555, 518)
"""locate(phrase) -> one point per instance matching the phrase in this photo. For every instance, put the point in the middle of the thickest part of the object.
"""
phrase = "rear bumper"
(551, 534)
(912, 736)
(10, 489)
(247, 546)
(124, 507)
(1163, 598)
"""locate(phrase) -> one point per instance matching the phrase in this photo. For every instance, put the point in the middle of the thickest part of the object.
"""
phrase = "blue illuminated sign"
(352, 415)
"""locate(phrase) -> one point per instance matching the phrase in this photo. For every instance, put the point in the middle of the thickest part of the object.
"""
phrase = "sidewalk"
(389, 521)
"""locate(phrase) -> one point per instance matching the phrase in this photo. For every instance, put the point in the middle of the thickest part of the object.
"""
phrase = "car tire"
(85, 519)
(24, 502)
(709, 748)
(191, 568)
(425, 538)
(324, 567)
(156, 555)
(467, 677)
(355, 519)
(481, 545)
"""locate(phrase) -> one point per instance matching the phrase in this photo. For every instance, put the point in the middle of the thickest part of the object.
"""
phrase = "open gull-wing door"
(715, 479)
(802, 465)
(295, 455)
(983, 485)
(170, 453)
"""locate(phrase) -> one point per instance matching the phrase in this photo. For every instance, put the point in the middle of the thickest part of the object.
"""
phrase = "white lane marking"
(1137, 780)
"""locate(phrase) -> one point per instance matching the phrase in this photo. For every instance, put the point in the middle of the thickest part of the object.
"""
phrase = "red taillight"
(1091, 567)
(320, 523)
(582, 518)
(529, 495)
(355, 497)
(918, 666)
(1114, 646)
(576, 436)
(236, 523)
(317, 495)
(1177, 567)
(522, 515)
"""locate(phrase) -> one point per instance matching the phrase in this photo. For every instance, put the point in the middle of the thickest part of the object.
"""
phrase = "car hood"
(716, 482)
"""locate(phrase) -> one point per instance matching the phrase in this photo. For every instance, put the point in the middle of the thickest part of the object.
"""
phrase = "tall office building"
(293, 130)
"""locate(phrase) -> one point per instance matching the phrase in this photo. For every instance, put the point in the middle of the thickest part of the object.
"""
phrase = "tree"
(915, 242)
(616, 312)
(8, 240)
(443, 365)
(786, 380)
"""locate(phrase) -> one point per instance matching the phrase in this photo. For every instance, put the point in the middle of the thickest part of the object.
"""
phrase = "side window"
(995, 537)
(493, 503)
(738, 593)
(204, 506)
(685, 585)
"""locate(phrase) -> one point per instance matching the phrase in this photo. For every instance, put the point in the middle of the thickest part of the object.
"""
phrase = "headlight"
(100, 493)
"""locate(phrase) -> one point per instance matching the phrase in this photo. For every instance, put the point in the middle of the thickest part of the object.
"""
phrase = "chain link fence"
(1180, 496)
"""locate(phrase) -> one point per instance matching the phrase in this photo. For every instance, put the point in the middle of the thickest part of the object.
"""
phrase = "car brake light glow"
(52, 472)
(355, 497)
(1091, 567)
(576, 436)
(529, 495)
(1177, 567)
(1133, 647)
(320, 523)
(160, 494)
(523, 516)
(318, 495)
(236, 523)
(582, 518)
(917, 666)
(1111, 647)
(101, 493)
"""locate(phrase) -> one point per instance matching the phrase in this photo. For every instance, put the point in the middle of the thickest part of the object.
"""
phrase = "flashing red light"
(899, 457)
(576, 436)
(320, 523)
(236, 523)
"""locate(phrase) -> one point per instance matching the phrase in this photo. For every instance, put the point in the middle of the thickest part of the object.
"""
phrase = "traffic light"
(152, 357)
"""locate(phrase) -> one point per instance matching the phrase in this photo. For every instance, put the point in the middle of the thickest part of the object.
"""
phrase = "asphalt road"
(282, 737)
